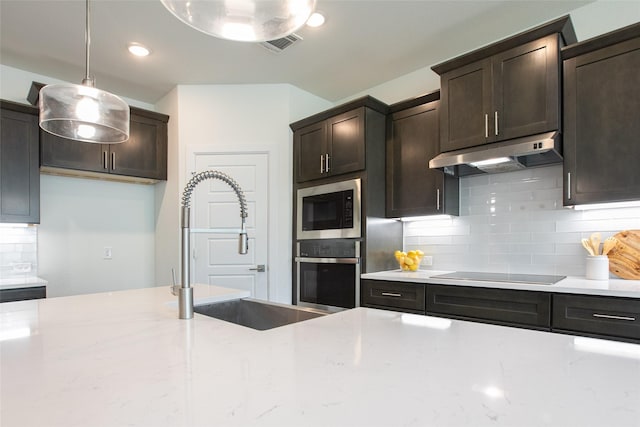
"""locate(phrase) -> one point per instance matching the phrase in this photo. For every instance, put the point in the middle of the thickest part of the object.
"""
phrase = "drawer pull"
(391, 294)
(611, 316)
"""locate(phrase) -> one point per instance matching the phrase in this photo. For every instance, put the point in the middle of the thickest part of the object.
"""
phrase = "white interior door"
(215, 206)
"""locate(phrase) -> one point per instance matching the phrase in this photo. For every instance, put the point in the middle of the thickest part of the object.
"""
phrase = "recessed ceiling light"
(315, 20)
(138, 50)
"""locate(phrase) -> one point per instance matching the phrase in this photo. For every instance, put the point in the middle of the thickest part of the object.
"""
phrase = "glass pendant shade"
(83, 113)
(243, 20)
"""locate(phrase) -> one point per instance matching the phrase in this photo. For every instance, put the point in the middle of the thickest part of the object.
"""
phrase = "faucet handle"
(174, 287)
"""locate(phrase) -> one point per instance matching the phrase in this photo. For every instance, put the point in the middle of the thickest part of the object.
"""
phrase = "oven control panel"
(329, 248)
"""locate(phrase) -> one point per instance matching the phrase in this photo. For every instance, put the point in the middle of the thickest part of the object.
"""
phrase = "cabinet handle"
(391, 294)
(326, 166)
(611, 316)
(113, 161)
(495, 119)
(321, 163)
(486, 126)
(568, 185)
(437, 199)
(105, 164)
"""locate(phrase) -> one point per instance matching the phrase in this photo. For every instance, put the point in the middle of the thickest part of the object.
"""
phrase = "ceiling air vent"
(279, 45)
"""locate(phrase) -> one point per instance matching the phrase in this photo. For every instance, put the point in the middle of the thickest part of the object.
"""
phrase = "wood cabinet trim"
(366, 101)
(562, 25)
(602, 41)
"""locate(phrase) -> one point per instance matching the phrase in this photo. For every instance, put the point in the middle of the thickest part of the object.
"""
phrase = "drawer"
(608, 316)
(20, 294)
(502, 306)
(393, 295)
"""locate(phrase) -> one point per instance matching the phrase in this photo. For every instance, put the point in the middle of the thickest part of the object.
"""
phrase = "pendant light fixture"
(243, 20)
(83, 112)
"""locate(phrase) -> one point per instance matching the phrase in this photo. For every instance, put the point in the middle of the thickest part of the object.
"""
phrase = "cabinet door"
(601, 125)
(398, 296)
(501, 306)
(526, 90)
(19, 170)
(22, 294)
(310, 144)
(413, 139)
(64, 153)
(346, 143)
(465, 106)
(595, 315)
(145, 153)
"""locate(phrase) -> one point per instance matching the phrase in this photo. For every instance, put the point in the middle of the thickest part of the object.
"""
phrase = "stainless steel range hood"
(520, 153)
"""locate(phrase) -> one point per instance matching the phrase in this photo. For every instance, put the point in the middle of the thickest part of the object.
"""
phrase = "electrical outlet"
(21, 267)
(427, 260)
(107, 253)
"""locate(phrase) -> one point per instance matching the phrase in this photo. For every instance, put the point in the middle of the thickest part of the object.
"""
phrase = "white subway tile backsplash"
(612, 224)
(533, 226)
(515, 222)
(18, 251)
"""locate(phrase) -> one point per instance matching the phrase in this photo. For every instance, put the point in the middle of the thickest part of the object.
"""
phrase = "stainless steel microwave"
(329, 211)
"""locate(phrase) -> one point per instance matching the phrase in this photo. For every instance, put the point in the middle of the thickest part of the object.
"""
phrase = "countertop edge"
(22, 282)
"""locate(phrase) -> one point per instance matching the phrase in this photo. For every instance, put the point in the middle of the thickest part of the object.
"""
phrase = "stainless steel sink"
(257, 314)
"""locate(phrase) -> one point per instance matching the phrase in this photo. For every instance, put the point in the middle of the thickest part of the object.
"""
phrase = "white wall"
(79, 218)
(15, 84)
(237, 117)
(167, 204)
(603, 16)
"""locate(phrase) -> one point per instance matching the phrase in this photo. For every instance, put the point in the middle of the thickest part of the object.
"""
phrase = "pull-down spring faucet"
(185, 292)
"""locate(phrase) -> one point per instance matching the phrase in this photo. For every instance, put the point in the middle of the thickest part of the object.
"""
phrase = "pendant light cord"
(88, 81)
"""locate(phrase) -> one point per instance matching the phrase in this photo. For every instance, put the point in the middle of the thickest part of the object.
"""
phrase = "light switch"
(107, 254)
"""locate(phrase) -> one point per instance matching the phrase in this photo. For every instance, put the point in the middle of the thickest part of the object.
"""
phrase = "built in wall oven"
(328, 273)
(329, 211)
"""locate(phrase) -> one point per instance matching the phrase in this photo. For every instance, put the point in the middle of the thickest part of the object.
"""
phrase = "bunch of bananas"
(409, 261)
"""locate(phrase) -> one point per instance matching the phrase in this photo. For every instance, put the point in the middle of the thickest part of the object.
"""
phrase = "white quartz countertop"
(573, 285)
(125, 359)
(22, 282)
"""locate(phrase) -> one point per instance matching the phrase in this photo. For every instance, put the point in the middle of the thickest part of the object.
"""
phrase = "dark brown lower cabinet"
(606, 317)
(613, 318)
(21, 294)
(397, 296)
(499, 306)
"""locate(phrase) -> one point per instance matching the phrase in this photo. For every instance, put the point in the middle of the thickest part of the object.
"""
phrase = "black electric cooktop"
(533, 279)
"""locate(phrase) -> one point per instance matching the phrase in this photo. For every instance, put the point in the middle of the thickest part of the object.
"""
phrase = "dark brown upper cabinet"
(143, 156)
(334, 141)
(331, 147)
(19, 172)
(602, 118)
(506, 90)
(412, 140)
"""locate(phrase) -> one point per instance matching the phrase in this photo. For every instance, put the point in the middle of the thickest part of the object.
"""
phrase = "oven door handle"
(329, 260)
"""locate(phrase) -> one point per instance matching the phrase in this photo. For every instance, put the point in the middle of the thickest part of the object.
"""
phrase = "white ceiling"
(363, 43)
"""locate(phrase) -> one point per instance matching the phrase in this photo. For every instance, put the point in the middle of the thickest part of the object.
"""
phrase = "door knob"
(260, 268)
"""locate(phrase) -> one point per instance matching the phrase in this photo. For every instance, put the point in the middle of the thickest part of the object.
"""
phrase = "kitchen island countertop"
(570, 284)
(124, 358)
